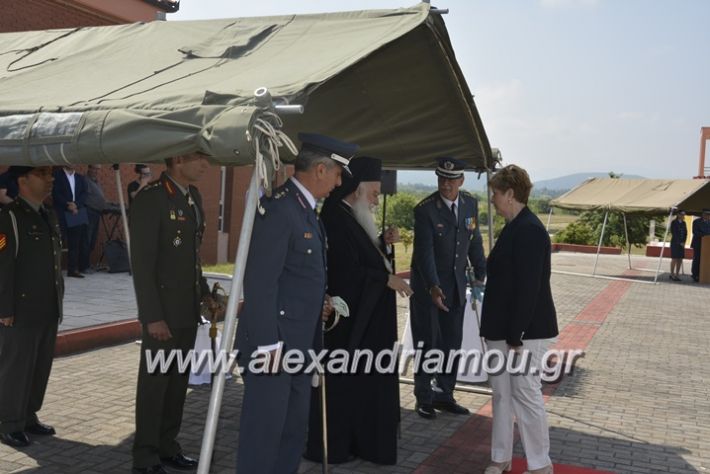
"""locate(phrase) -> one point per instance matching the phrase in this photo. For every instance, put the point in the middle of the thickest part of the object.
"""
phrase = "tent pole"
(122, 204)
(628, 246)
(384, 213)
(601, 239)
(549, 216)
(490, 212)
(230, 325)
(663, 245)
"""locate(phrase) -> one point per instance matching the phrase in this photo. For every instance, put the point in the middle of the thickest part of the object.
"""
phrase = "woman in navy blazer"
(518, 317)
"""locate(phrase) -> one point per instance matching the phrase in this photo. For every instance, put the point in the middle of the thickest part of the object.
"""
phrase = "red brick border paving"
(92, 337)
(468, 450)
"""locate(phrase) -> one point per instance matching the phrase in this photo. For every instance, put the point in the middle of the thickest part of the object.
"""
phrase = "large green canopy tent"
(386, 79)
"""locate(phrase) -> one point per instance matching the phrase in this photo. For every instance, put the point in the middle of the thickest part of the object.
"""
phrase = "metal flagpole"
(628, 246)
(549, 216)
(599, 247)
(663, 244)
(230, 325)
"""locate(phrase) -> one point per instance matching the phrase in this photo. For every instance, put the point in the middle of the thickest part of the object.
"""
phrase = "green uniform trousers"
(159, 400)
(26, 355)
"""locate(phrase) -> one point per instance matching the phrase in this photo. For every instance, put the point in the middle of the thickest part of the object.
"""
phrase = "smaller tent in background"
(634, 197)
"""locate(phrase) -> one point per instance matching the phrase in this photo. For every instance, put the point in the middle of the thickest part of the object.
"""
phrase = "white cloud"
(498, 94)
(568, 3)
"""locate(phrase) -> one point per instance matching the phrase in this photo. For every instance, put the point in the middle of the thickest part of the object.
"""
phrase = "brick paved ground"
(637, 403)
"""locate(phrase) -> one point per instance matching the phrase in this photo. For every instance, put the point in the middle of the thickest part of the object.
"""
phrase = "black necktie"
(43, 213)
(453, 208)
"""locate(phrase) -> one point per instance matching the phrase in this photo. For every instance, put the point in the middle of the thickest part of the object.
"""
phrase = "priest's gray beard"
(365, 216)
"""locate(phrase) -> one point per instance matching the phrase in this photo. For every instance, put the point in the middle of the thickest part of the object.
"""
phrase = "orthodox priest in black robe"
(362, 407)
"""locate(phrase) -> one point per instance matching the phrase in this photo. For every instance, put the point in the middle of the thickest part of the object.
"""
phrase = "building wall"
(209, 189)
(26, 15)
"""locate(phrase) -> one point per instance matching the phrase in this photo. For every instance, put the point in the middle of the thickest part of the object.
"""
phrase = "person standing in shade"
(363, 407)
(144, 177)
(166, 227)
(518, 317)
(679, 234)
(8, 189)
(446, 240)
(284, 297)
(95, 205)
(69, 198)
(31, 293)
(701, 228)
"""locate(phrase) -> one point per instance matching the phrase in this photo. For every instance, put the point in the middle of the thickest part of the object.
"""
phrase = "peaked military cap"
(450, 168)
(14, 172)
(337, 150)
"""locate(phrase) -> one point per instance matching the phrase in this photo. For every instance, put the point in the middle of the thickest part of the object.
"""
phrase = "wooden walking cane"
(324, 414)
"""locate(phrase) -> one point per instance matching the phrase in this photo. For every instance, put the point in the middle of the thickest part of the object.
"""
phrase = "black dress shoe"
(157, 469)
(41, 429)
(75, 275)
(451, 407)
(17, 439)
(180, 462)
(425, 410)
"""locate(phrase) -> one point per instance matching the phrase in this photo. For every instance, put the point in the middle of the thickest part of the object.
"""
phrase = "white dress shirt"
(72, 182)
(449, 203)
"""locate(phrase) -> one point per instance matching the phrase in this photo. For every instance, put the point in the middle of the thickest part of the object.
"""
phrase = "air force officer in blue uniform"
(446, 239)
(284, 292)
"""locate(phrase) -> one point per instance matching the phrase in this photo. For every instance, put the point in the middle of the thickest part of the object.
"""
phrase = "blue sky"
(565, 86)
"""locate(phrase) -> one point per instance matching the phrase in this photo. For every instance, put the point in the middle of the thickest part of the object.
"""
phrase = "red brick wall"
(235, 197)
(209, 187)
(26, 15)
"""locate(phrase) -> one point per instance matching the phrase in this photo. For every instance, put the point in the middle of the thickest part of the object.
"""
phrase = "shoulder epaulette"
(281, 192)
(426, 200)
(152, 185)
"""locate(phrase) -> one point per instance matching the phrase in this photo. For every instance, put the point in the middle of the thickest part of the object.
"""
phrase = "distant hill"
(424, 182)
(565, 183)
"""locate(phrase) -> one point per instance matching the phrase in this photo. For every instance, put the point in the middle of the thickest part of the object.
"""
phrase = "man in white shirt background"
(69, 199)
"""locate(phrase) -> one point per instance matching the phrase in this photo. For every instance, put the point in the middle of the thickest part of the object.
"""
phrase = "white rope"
(268, 138)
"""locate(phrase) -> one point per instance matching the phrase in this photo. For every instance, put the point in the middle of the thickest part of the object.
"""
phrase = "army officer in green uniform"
(166, 224)
(31, 292)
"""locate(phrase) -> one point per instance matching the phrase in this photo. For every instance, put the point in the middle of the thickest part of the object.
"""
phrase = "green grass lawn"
(227, 268)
